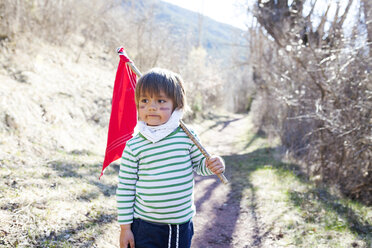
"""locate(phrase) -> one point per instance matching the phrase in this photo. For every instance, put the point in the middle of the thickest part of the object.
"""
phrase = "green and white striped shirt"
(156, 180)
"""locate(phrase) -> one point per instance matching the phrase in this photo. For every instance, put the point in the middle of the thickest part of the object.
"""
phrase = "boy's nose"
(153, 105)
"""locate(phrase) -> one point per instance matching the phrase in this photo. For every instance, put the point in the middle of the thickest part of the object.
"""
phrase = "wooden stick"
(134, 69)
(187, 131)
(202, 149)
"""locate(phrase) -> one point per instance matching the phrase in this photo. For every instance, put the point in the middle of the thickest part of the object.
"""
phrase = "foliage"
(315, 89)
(155, 34)
(204, 85)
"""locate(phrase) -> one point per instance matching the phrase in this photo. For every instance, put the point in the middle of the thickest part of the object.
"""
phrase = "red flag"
(123, 117)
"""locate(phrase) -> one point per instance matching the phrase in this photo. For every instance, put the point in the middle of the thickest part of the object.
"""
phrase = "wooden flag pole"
(202, 149)
(187, 131)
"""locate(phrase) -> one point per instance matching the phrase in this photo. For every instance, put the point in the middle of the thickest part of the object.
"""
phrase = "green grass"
(292, 210)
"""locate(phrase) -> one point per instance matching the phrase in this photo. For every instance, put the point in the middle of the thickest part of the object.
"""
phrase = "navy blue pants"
(153, 235)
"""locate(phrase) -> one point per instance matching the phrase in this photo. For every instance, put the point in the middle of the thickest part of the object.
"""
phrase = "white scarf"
(156, 133)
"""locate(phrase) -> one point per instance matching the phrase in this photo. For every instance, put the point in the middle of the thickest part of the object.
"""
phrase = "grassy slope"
(53, 127)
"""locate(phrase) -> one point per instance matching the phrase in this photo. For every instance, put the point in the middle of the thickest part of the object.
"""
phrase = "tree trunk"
(367, 8)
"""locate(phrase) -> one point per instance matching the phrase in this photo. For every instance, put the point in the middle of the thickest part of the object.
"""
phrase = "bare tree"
(367, 8)
(319, 79)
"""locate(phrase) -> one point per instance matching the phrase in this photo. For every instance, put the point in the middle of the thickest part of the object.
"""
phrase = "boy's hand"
(126, 236)
(216, 164)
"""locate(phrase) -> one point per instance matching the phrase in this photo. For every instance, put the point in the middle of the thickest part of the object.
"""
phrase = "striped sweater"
(156, 180)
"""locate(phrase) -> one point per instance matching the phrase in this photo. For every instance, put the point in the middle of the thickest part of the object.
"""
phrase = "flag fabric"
(123, 117)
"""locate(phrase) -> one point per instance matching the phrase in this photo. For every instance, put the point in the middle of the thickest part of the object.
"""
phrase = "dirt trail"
(266, 204)
(221, 220)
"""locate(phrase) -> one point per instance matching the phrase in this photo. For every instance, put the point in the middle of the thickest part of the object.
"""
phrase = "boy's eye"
(161, 101)
(144, 100)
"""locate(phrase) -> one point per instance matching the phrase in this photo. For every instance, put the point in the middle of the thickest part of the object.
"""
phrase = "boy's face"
(155, 110)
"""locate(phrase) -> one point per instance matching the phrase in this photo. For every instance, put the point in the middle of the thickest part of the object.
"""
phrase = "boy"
(155, 190)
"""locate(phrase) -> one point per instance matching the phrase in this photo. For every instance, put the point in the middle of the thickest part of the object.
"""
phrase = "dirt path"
(268, 202)
(61, 202)
(221, 220)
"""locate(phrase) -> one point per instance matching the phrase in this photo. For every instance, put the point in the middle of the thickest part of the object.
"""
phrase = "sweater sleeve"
(125, 193)
(198, 160)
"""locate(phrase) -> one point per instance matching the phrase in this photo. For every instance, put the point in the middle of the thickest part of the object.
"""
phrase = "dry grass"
(53, 127)
(60, 203)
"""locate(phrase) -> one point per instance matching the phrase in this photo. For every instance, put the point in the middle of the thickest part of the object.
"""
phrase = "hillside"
(54, 99)
(216, 37)
(57, 98)
(53, 104)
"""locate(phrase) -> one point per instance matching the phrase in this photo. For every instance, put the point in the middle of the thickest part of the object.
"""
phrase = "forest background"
(302, 73)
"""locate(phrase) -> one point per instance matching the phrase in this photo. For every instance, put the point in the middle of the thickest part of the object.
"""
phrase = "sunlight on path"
(210, 205)
(224, 134)
(221, 221)
(267, 202)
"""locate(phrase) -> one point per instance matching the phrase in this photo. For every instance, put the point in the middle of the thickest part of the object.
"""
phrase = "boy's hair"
(156, 80)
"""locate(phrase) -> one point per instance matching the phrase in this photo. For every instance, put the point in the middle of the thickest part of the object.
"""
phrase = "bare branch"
(335, 18)
(323, 20)
(311, 11)
(343, 17)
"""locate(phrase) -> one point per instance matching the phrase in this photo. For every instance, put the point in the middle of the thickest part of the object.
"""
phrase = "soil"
(221, 219)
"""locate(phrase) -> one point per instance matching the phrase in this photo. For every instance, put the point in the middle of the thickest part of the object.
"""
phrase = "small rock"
(10, 122)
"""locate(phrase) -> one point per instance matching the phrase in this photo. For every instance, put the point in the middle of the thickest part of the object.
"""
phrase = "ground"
(52, 140)
(220, 220)
(59, 201)
(268, 202)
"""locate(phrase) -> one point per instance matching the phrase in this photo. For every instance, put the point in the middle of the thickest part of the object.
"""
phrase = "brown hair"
(156, 80)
